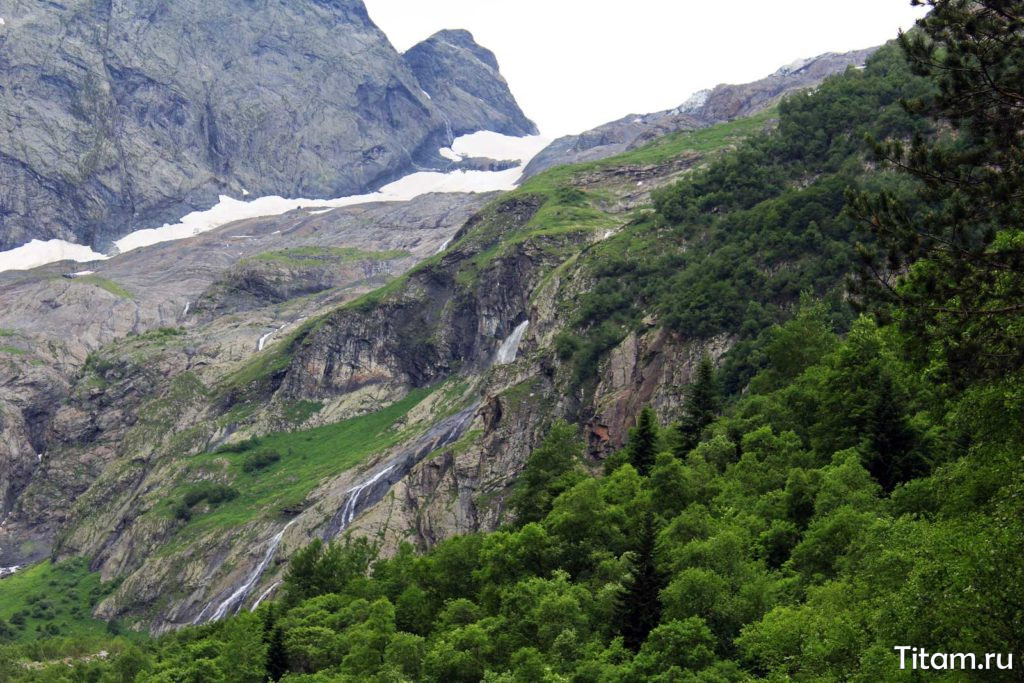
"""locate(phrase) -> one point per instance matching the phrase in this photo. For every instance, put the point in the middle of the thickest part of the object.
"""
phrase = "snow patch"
(7, 571)
(320, 211)
(2, 22)
(497, 146)
(426, 93)
(447, 153)
(794, 66)
(39, 253)
(228, 210)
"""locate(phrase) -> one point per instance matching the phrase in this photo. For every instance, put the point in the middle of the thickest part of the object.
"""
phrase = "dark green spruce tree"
(643, 442)
(703, 403)
(277, 655)
(639, 609)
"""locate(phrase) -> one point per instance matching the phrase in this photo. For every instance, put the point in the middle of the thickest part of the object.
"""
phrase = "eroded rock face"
(433, 327)
(121, 436)
(464, 83)
(125, 115)
(652, 368)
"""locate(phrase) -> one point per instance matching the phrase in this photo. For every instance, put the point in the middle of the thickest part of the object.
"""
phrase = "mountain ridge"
(724, 102)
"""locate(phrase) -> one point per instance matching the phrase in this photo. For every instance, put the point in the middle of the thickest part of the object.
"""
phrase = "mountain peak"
(464, 82)
(460, 38)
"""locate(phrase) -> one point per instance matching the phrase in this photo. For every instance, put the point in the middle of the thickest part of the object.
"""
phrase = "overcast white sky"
(575, 64)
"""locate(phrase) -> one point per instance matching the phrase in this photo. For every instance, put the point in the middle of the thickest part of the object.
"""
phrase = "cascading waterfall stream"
(266, 594)
(348, 511)
(234, 601)
(263, 340)
(444, 245)
(509, 348)
(373, 487)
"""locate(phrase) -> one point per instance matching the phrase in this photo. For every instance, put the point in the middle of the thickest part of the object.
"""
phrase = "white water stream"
(348, 511)
(263, 340)
(233, 601)
(444, 246)
(509, 348)
(368, 491)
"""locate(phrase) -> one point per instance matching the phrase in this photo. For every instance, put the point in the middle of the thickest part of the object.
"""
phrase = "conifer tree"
(551, 469)
(277, 656)
(640, 605)
(643, 442)
(703, 403)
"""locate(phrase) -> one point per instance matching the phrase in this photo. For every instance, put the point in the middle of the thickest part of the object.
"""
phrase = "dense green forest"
(848, 480)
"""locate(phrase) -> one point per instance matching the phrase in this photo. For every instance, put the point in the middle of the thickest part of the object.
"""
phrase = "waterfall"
(510, 347)
(263, 340)
(188, 305)
(374, 487)
(358, 498)
(233, 601)
(348, 511)
(266, 594)
(448, 130)
(444, 246)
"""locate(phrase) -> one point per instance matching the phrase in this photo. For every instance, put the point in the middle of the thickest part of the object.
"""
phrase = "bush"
(214, 494)
(259, 461)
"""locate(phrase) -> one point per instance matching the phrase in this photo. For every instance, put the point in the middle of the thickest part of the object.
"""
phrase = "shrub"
(261, 460)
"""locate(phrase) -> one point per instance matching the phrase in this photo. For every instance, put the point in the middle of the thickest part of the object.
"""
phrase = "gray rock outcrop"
(464, 83)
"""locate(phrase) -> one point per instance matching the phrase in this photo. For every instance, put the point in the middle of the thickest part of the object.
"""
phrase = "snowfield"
(228, 209)
(500, 147)
(39, 253)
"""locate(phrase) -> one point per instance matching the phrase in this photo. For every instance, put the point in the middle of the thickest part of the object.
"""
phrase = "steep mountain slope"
(125, 418)
(408, 413)
(707, 107)
(115, 117)
(276, 271)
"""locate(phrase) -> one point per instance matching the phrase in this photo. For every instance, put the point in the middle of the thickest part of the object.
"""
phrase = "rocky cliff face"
(80, 357)
(705, 108)
(464, 83)
(124, 115)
